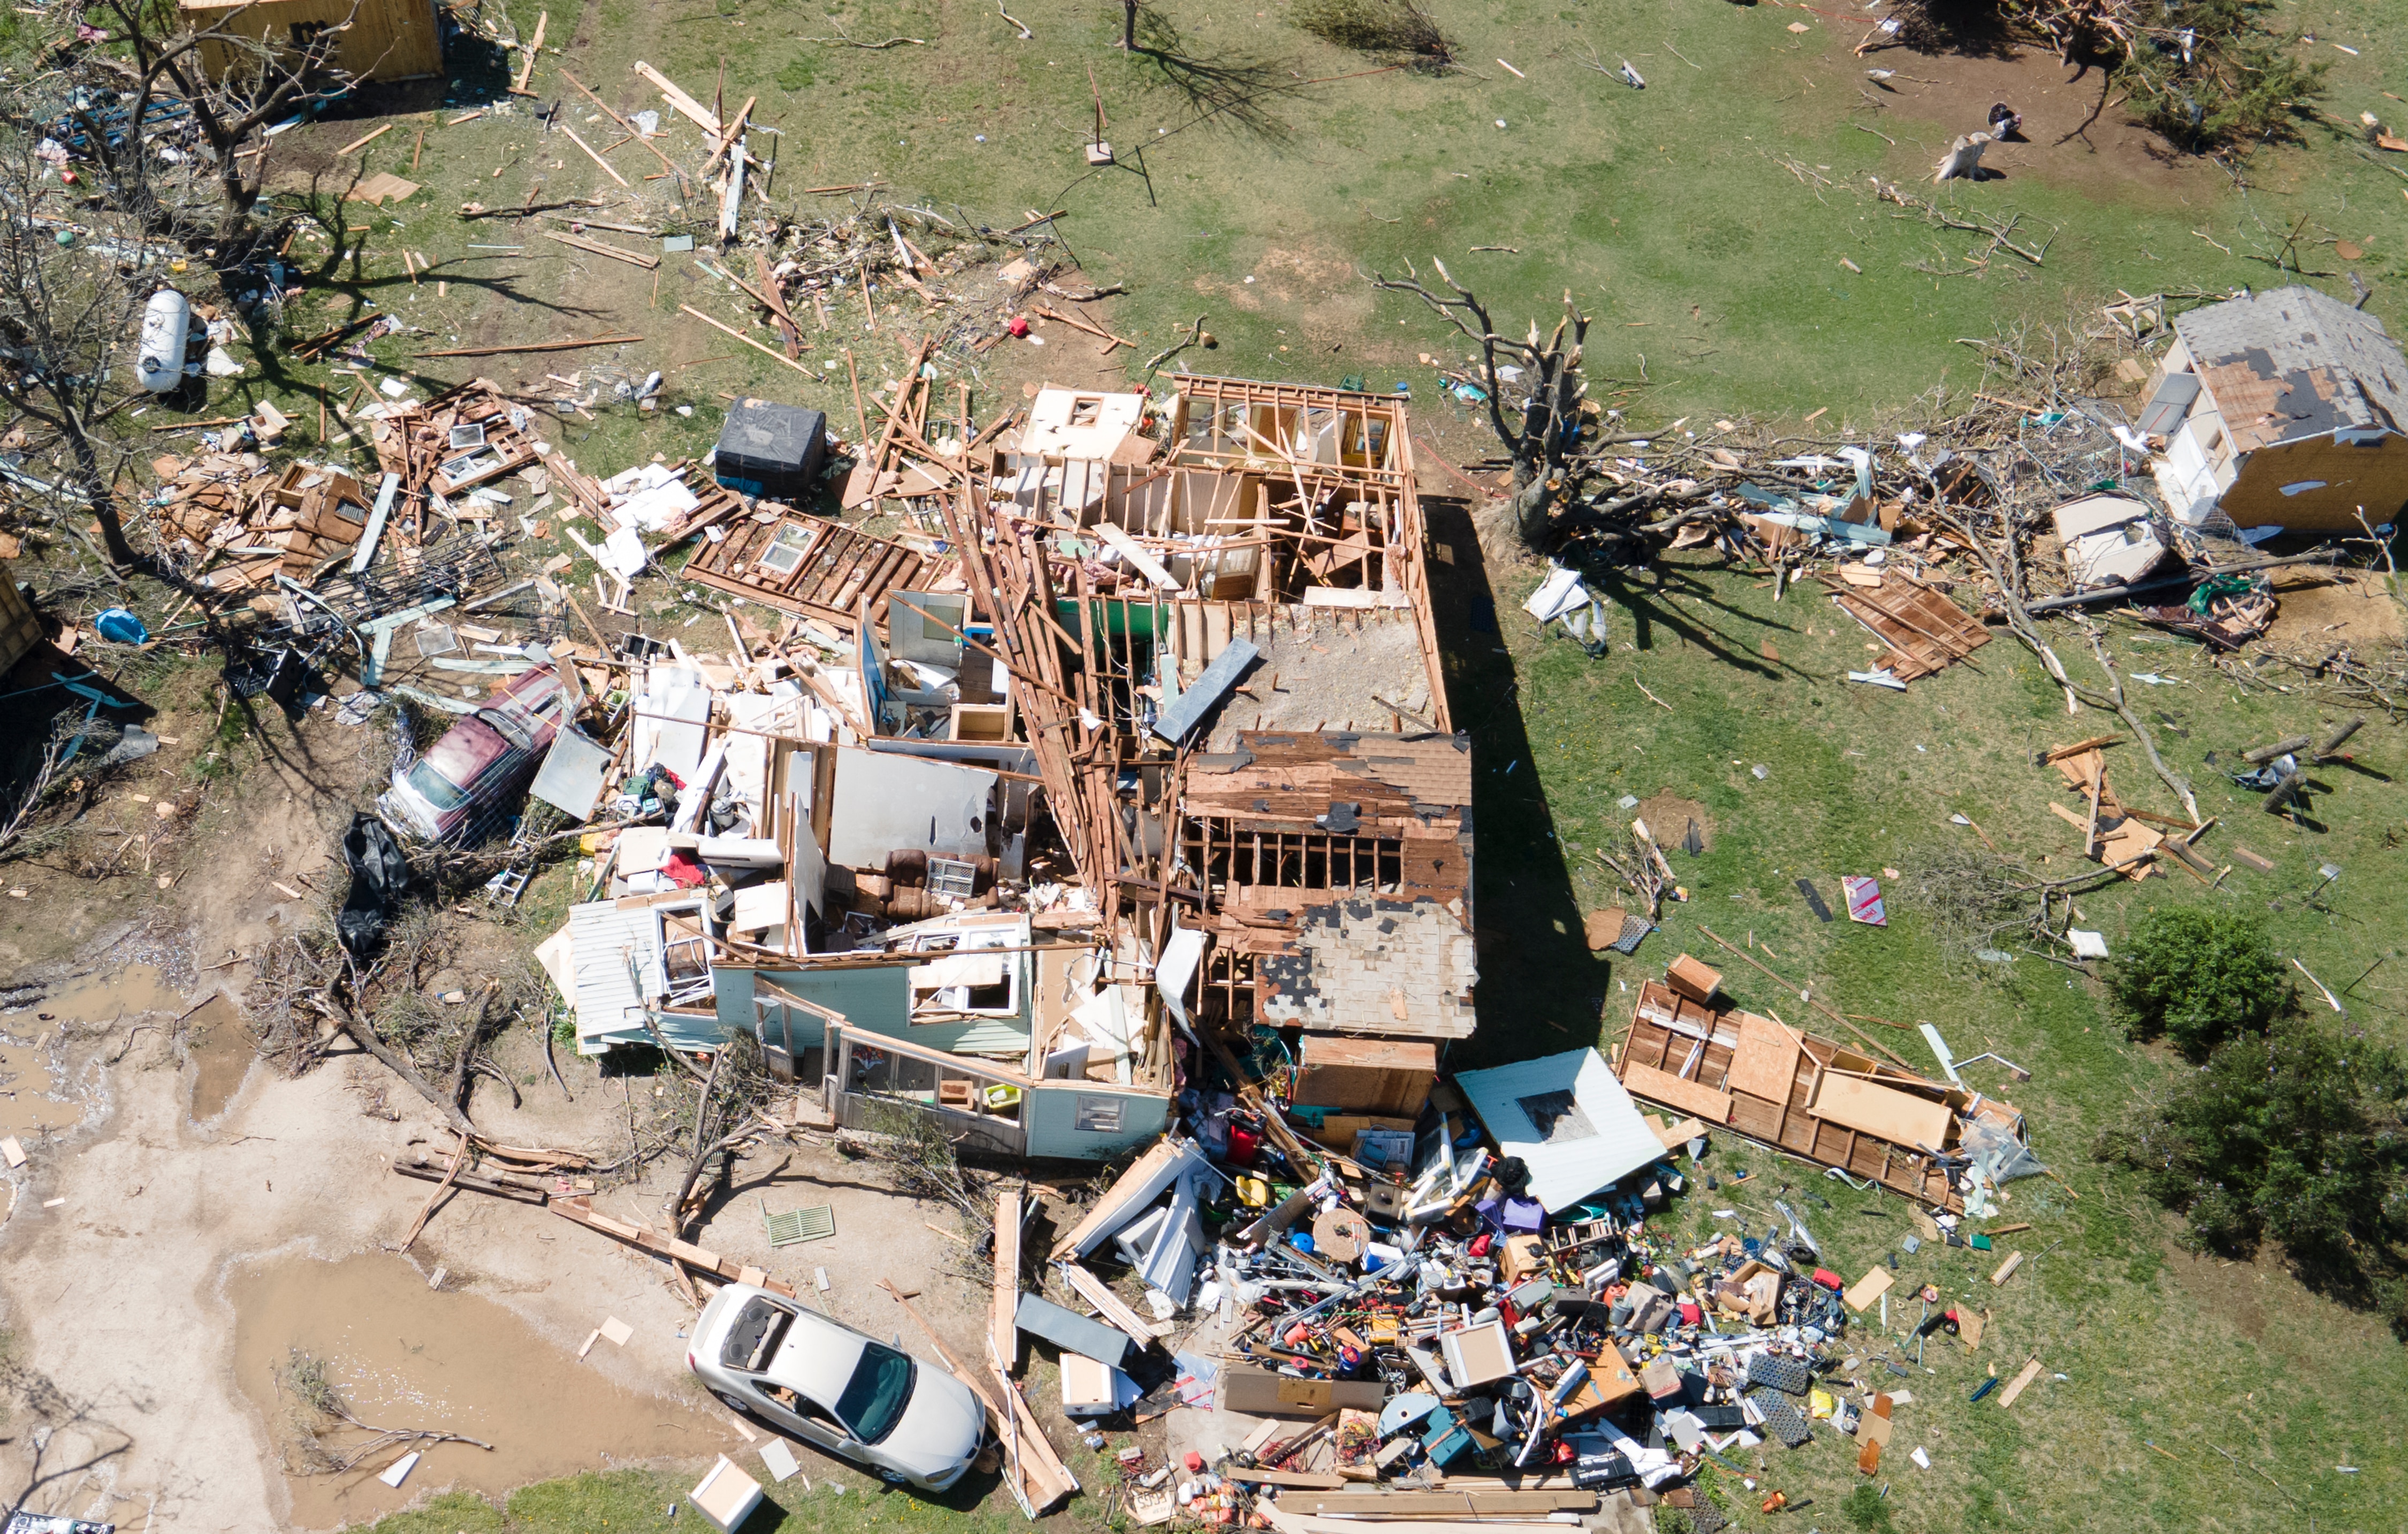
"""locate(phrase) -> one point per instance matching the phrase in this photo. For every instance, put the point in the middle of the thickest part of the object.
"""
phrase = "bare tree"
(1543, 437)
(68, 312)
(157, 60)
(1128, 27)
(59, 1442)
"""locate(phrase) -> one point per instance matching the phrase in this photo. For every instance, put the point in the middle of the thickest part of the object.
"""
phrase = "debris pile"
(1485, 1298)
(235, 523)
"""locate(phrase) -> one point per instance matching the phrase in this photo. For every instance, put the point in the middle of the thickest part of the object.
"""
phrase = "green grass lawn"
(1716, 278)
(2157, 1348)
(1703, 220)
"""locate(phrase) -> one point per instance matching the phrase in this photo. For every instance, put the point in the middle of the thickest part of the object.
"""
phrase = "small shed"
(2281, 409)
(385, 40)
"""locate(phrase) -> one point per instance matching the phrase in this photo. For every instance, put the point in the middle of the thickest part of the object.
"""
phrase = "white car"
(816, 1378)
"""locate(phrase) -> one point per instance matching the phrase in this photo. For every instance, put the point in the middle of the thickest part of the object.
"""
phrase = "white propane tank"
(159, 364)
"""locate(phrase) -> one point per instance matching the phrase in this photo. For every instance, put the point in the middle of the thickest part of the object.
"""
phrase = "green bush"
(2294, 1135)
(2236, 83)
(1866, 1509)
(2197, 977)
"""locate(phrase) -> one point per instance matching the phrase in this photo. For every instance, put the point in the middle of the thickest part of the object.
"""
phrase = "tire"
(733, 1402)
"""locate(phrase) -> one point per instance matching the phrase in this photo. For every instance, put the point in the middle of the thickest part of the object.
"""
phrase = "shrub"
(1866, 1509)
(2294, 1135)
(1379, 27)
(2220, 79)
(2197, 976)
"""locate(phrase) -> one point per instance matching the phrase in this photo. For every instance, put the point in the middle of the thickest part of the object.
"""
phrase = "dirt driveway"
(159, 1271)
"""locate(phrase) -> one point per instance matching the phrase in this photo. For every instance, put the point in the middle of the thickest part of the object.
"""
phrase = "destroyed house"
(1152, 749)
(1831, 1104)
(2281, 409)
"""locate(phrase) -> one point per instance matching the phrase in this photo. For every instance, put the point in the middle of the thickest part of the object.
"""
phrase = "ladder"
(517, 867)
(505, 887)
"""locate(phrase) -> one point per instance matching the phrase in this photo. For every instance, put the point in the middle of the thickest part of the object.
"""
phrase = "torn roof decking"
(2294, 363)
(1731, 1069)
(1339, 868)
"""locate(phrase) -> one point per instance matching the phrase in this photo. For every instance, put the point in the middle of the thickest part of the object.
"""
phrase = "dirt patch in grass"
(2236, 1292)
(2344, 607)
(221, 1054)
(2110, 157)
(401, 1353)
(1670, 817)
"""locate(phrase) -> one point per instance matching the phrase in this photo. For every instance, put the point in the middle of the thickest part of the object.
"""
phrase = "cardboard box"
(1265, 1393)
(1691, 979)
(1388, 1078)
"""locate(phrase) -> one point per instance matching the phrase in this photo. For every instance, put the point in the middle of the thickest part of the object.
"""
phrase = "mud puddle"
(34, 1096)
(399, 1355)
(221, 1053)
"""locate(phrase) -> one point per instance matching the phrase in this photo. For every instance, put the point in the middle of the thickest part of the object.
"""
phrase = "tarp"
(380, 873)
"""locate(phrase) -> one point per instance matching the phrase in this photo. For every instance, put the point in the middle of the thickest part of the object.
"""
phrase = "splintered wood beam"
(590, 155)
(748, 340)
(632, 258)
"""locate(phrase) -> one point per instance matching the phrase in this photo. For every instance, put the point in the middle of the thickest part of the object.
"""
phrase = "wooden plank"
(1672, 1092)
(2007, 1268)
(1037, 1457)
(2094, 743)
(731, 331)
(1005, 1299)
(581, 1211)
(1439, 1504)
(1146, 1179)
(632, 258)
(1899, 1117)
(1092, 1289)
(1764, 1065)
(686, 105)
(2029, 1373)
(582, 144)
(1677, 1135)
(1307, 1480)
(1868, 1288)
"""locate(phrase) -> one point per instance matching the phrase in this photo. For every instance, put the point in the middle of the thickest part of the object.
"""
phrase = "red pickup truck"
(482, 763)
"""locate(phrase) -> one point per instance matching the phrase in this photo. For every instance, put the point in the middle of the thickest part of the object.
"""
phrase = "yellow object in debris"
(1254, 1192)
(1820, 1404)
(1000, 1097)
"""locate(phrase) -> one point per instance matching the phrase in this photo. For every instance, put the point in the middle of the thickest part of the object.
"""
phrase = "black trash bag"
(380, 873)
(1512, 1174)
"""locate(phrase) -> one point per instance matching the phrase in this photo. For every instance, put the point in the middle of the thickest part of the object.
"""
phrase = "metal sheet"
(1176, 721)
(574, 774)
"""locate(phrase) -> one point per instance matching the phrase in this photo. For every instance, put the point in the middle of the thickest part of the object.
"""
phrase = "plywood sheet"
(1766, 1061)
(1868, 1288)
(1672, 1092)
(1899, 1117)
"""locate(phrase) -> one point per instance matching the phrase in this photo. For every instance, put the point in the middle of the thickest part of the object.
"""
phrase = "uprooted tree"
(1537, 404)
(1542, 433)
